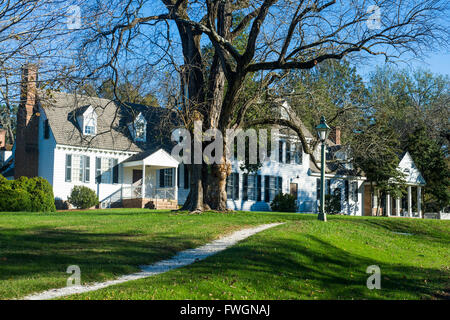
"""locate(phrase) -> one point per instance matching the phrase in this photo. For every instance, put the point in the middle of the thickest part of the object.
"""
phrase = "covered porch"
(150, 181)
(409, 205)
(406, 206)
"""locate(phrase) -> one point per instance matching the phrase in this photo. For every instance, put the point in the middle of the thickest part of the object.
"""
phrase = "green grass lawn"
(303, 259)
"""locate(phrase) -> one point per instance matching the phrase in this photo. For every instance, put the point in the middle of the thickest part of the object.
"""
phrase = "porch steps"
(159, 204)
(162, 204)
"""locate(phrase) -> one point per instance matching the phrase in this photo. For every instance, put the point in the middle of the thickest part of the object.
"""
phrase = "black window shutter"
(186, 177)
(68, 167)
(280, 185)
(267, 188)
(98, 170)
(258, 188)
(347, 189)
(236, 186)
(280, 152)
(46, 130)
(115, 171)
(161, 178)
(318, 189)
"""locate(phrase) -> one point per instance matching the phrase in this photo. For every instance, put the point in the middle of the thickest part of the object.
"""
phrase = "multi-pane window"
(272, 186)
(233, 186)
(106, 170)
(141, 131)
(298, 153)
(89, 130)
(288, 152)
(166, 178)
(249, 187)
(77, 168)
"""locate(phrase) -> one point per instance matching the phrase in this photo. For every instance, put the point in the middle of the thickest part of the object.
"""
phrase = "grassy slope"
(304, 259)
(36, 249)
(307, 259)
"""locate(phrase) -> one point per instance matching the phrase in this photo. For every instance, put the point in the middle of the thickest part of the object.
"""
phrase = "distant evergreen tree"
(434, 166)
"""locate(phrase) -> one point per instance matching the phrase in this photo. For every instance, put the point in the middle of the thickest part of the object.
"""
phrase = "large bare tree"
(258, 39)
(42, 32)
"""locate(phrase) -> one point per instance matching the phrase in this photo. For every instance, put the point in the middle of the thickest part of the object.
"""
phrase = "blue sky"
(437, 62)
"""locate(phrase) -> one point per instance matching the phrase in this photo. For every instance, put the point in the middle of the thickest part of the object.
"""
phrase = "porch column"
(374, 203)
(143, 182)
(409, 202)
(388, 205)
(419, 201)
(176, 184)
(397, 207)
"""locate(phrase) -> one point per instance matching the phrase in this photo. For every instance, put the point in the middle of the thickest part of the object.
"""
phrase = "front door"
(293, 189)
(137, 184)
(137, 176)
(367, 200)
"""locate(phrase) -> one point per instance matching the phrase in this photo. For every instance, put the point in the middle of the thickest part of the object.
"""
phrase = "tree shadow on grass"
(47, 252)
(314, 268)
(432, 230)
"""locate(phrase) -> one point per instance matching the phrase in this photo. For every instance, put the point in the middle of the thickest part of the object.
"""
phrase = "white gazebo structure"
(404, 207)
(150, 181)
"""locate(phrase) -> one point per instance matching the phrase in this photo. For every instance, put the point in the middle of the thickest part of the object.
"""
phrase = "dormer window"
(87, 120)
(139, 128)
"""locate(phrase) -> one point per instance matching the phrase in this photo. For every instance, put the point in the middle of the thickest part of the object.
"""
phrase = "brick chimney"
(2, 138)
(26, 158)
(336, 135)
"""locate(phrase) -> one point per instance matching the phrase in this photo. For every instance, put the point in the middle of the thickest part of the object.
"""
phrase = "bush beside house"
(284, 203)
(332, 203)
(83, 198)
(26, 194)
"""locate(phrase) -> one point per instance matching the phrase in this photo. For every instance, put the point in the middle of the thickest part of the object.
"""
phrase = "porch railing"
(135, 192)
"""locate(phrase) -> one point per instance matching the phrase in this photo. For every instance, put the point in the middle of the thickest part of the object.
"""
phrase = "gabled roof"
(156, 158)
(62, 108)
(409, 168)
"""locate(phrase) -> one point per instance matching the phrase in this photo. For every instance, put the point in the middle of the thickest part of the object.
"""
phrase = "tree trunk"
(216, 193)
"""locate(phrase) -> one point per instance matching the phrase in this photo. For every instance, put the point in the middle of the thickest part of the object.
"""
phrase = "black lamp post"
(323, 130)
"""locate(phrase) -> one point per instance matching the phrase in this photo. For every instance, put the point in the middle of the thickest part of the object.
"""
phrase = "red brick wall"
(2, 138)
(27, 132)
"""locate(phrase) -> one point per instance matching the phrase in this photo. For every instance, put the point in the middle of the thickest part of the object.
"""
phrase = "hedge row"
(26, 194)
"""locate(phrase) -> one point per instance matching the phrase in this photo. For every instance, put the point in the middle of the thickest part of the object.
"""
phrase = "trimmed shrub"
(333, 203)
(284, 203)
(24, 194)
(40, 191)
(13, 200)
(82, 197)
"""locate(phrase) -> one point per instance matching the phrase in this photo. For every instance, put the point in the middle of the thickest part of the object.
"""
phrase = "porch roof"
(155, 158)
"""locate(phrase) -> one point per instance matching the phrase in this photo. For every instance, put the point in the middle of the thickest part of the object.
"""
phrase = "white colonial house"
(123, 153)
